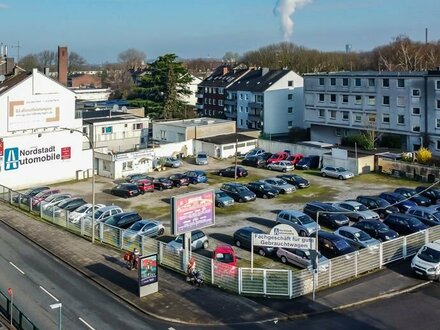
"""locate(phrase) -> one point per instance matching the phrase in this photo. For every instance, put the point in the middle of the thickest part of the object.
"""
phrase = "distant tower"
(347, 48)
(62, 65)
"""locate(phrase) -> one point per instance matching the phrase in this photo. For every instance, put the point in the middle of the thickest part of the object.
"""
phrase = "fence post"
(427, 235)
(10, 196)
(82, 227)
(380, 255)
(212, 271)
(160, 250)
(67, 219)
(101, 230)
(289, 282)
(264, 282)
(121, 238)
(240, 280)
(329, 273)
(404, 248)
(356, 263)
(141, 246)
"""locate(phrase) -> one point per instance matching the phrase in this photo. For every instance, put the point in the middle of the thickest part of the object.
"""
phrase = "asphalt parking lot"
(260, 213)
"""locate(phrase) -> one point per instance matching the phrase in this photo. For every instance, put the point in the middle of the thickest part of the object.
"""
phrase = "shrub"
(424, 156)
(361, 140)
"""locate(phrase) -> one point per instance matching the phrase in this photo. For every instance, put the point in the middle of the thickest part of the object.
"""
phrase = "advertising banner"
(192, 211)
(284, 241)
(147, 270)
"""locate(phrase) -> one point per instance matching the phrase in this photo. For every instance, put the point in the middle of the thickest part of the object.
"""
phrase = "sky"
(99, 30)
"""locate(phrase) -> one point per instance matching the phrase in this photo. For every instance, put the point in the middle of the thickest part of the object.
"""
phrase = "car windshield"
(266, 186)
(333, 209)
(137, 226)
(382, 228)
(342, 244)
(201, 156)
(111, 221)
(340, 169)
(437, 215)
(221, 194)
(397, 198)
(280, 182)
(360, 207)
(430, 255)
(305, 219)
(51, 198)
(179, 239)
(82, 208)
(241, 188)
(383, 203)
(413, 222)
(224, 257)
(362, 236)
(409, 192)
(98, 213)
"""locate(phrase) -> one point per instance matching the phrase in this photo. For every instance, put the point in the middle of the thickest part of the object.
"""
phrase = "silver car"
(357, 237)
(336, 172)
(201, 158)
(171, 162)
(300, 221)
(357, 210)
(198, 241)
(301, 258)
(282, 186)
(149, 228)
(53, 200)
(82, 212)
(282, 166)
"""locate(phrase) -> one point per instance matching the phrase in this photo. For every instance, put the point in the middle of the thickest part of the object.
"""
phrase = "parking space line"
(88, 325)
(50, 294)
(22, 272)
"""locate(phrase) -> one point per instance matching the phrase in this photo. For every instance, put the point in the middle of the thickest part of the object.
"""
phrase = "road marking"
(90, 327)
(171, 328)
(22, 272)
(50, 294)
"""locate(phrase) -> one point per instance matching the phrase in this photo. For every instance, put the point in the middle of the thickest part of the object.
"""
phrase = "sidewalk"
(178, 301)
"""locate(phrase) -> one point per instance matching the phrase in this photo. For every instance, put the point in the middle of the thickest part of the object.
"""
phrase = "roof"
(203, 121)
(113, 118)
(258, 80)
(13, 81)
(389, 74)
(218, 79)
(228, 138)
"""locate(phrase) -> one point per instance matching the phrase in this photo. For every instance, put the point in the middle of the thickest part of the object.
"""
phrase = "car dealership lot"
(260, 213)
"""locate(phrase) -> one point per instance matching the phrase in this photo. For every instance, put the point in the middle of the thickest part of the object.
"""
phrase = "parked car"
(414, 196)
(429, 192)
(398, 201)
(301, 222)
(196, 177)
(308, 162)
(427, 215)
(262, 190)
(52, 200)
(277, 157)
(198, 241)
(137, 176)
(404, 224)
(83, 211)
(231, 173)
(254, 152)
(125, 190)
(148, 228)
(295, 158)
(103, 213)
(336, 172)
(171, 162)
(328, 215)
(377, 229)
(179, 180)
(222, 199)
(378, 205)
(331, 245)
(294, 179)
(162, 183)
(42, 195)
(426, 263)
(30, 193)
(69, 204)
(145, 185)
(266, 155)
(301, 258)
(239, 192)
(123, 220)
(283, 166)
(202, 158)
(282, 186)
(243, 238)
(357, 237)
(357, 210)
(255, 161)
(224, 253)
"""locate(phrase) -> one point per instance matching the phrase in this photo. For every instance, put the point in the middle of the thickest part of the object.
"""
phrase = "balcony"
(255, 105)
(255, 114)
(229, 102)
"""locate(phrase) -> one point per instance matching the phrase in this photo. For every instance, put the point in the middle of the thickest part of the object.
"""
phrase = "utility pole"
(18, 50)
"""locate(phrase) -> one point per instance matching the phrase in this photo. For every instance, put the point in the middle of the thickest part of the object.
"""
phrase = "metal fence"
(19, 320)
(246, 281)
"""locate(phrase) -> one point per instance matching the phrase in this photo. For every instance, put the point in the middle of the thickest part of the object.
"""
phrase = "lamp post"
(55, 306)
(315, 271)
(92, 146)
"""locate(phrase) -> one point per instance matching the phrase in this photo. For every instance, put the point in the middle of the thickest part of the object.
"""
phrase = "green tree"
(161, 89)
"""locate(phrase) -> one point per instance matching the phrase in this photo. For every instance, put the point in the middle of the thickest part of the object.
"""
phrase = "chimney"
(62, 65)
(225, 70)
(46, 71)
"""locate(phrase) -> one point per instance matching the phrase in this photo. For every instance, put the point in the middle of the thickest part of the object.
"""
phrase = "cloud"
(286, 9)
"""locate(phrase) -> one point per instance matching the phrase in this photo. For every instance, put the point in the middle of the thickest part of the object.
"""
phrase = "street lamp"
(55, 306)
(92, 146)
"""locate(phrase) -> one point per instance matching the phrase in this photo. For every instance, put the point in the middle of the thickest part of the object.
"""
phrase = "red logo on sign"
(65, 153)
(1, 147)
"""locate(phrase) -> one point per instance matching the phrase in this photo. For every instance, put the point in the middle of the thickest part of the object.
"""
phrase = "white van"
(426, 263)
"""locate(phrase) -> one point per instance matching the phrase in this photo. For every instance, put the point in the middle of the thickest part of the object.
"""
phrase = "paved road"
(46, 280)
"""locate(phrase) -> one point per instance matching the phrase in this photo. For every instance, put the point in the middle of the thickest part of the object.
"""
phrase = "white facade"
(192, 98)
(34, 150)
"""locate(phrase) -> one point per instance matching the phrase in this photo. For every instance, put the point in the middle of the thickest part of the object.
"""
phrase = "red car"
(226, 259)
(38, 198)
(145, 185)
(295, 158)
(279, 156)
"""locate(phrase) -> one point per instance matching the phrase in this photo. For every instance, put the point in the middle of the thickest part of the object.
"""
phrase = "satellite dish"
(2, 78)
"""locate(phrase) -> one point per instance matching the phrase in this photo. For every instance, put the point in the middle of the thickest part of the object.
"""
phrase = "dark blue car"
(398, 200)
(196, 176)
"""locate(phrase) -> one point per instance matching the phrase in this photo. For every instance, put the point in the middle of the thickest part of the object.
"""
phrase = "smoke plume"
(286, 9)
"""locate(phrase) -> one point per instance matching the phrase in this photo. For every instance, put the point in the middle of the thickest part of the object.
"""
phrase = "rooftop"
(258, 80)
(114, 117)
(227, 139)
(194, 122)
(369, 74)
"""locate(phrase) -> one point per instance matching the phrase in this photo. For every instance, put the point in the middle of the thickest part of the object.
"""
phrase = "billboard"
(284, 241)
(147, 270)
(34, 111)
(192, 211)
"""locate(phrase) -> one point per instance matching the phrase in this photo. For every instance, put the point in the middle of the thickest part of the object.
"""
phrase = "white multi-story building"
(270, 100)
(403, 106)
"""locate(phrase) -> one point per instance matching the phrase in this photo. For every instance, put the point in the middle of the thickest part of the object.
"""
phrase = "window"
(321, 97)
(163, 135)
(247, 109)
(241, 96)
(385, 100)
(321, 81)
(437, 86)
(289, 123)
(333, 81)
(357, 118)
(209, 101)
(338, 131)
(241, 108)
(220, 103)
(321, 113)
(344, 81)
(259, 98)
(371, 82)
(289, 110)
(357, 82)
(345, 115)
(371, 100)
(438, 145)
(372, 119)
(416, 128)
(290, 96)
(245, 96)
(221, 90)
(358, 100)
(438, 104)
(107, 130)
(126, 166)
(437, 123)
(333, 98)
(401, 101)
(401, 119)
(416, 92)
(332, 114)
(400, 83)
(416, 111)
(385, 82)
(344, 98)
(386, 119)
(138, 126)
(290, 83)
(214, 101)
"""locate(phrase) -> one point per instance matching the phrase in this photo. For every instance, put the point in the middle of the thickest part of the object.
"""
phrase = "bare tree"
(132, 59)
(76, 62)
(47, 59)
(29, 62)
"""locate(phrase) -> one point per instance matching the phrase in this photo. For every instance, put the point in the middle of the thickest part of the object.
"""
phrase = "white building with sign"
(37, 145)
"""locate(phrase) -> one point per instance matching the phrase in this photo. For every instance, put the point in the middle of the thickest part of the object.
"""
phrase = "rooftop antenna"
(426, 36)
(18, 50)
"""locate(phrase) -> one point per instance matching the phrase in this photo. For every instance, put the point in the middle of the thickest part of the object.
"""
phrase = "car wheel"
(219, 204)
(220, 173)
(238, 243)
(284, 170)
(161, 231)
(283, 260)
(381, 215)
(195, 182)
(177, 185)
(302, 234)
(323, 174)
(265, 196)
(340, 177)
(269, 168)
(360, 219)
(160, 188)
(283, 191)
(205, 244)
(240, 200)
(261, 252)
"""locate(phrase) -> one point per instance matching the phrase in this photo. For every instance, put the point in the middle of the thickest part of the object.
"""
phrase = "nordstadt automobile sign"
(284, 241)
(14, 157)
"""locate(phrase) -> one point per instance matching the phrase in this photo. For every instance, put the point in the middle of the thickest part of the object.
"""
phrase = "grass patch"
(312, 193)
(153, 212)
(213, 179)
(378, 178)
(236, 208)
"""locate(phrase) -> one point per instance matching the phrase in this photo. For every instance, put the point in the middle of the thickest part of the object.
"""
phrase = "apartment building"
(270, 100)
(402, 105)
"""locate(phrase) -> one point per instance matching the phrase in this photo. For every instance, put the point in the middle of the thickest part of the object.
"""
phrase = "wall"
(275, 146)
(85, 80)
(365, 164)
(408, 170)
